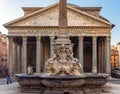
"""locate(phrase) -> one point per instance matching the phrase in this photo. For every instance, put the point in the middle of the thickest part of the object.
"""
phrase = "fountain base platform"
(86, 83)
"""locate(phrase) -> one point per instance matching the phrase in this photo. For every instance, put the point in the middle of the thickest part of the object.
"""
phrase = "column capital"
(10, 37)
(38, 38)
(24, 38)
(52, 38)
(108, 38)
(94, 38)
(81, 38)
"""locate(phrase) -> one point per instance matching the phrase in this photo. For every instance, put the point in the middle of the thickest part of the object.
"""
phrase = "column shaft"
(19, 59)
(108, 67)
(104, 56)
(94, 53)
(38, 54)
(51, 46)
(24, 54)
(10, 55)
(99, 57)
(15, 59)
(81, 51)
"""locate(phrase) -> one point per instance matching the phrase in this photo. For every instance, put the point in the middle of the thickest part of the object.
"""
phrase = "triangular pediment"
(49, 17)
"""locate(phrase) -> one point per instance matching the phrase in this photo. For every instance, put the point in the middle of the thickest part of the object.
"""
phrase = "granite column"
(81, 51)
(38, 54)
(10, 55)
(108, 66)
(94, 54)
(24, 54)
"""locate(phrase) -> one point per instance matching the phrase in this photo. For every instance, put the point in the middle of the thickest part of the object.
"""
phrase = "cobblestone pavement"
(3, 81)
(112, 87)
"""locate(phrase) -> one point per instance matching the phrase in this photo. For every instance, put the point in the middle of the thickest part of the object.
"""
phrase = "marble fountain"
(63, 76)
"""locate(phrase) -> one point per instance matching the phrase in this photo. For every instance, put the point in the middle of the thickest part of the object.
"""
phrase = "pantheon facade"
(32, 35)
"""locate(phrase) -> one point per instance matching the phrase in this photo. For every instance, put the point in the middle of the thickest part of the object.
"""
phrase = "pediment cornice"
(89, 16)
(56, 5)
(41, 11)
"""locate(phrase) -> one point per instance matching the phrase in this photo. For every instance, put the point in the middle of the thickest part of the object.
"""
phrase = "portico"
(36, 50)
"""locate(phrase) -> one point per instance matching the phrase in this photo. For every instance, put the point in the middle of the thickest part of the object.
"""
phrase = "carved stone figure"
(76, 67)
(94, 70)
(29, 70)
(49, 66)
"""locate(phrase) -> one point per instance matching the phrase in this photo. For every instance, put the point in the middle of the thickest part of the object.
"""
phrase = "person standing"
(8, 79)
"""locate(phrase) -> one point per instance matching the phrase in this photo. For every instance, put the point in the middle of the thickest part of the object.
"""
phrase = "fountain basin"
(63, 81)
(42, 83)
(96, 80)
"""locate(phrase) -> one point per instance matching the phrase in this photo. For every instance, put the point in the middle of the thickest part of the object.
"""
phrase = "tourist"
(8, 79)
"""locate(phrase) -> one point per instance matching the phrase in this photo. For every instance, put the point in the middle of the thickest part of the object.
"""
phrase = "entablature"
(54, 31)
